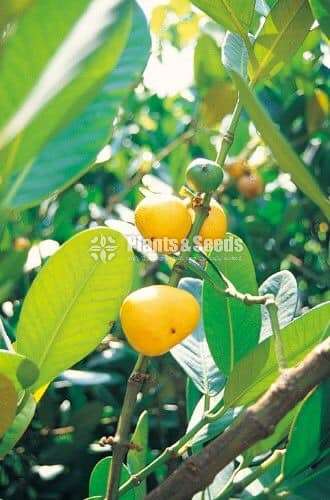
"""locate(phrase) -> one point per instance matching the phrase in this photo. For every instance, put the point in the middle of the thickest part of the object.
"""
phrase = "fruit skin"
(237, 168)
(250, 185)
(158, 317)
(161, 218)
(215, 225)
(204, 176)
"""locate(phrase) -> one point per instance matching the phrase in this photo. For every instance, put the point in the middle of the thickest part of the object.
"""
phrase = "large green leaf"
(193, 353)
(18, 426)
(254, 374)
(99, 478)
(20, 370)
(313, 485)
(282, 34)
(75, 296)
(310, 433)
(207, 67)
(234, 15)
(280, 147)
(74, 149)
(232, 328)
(137, 457)
(72, 46)
(8, 403)
(321, 10)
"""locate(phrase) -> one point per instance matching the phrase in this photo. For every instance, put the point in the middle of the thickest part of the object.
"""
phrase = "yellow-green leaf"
(75, 296)
(21, 371)
(8, 403)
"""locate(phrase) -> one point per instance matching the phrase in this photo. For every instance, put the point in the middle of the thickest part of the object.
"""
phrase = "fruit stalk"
(121, 439)
(228, 138)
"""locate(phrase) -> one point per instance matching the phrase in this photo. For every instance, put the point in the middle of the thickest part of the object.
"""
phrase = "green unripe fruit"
(204, 176)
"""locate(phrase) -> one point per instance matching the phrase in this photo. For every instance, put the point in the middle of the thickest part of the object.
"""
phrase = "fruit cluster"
(158, 317)
(248, 181)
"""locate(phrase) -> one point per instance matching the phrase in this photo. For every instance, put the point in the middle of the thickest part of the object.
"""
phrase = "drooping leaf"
(234, 15)
(20, 370)
(67, 310)
(99, 478)
(137, 457)
(8, 403)
(282, 34)
(18, 426)
(193, 354)
(73, 44)
(280, 147)
(283, 286)
(232, 328)
(310, 432)
(234, 54)
(67, 156)
(321, 11)
(254, 374)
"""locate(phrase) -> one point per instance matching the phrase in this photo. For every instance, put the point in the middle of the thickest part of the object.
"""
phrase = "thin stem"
(5, 338)
(178, 448)
(235, 488)
(121, 444)
(279, 347)
(228, 137)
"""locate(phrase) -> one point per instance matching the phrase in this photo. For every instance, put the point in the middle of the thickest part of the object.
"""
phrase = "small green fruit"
(204, 176)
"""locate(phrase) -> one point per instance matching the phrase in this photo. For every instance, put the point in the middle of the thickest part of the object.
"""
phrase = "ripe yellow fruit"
(237, 168)
(164, 220)
(158, 317)
(215, 225)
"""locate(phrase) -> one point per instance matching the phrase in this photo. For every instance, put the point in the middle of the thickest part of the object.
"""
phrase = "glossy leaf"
(99, 478)
(321, 11)
(8, 403)
(310, 432)
(67, 310)
(18, 427)
(254, 374)
(21, 371)
(75, 45)
(232, 328)
(67, 156)
(234, 54)
(282, 151)
(137, 458)
(193, 353)
(234, 15)
(283, 286)
(282, 34)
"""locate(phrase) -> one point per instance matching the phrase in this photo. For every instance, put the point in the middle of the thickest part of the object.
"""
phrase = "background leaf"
(137, 458)
(99, 478)
(8, 403)
(67, 156)
(234, 15)
(224, 316)
(258, 370)
(193, 353)
(283, 286)
(59, 322)
(321, 11)
(20, 370)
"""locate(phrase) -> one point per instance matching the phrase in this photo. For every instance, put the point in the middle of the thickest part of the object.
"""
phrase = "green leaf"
(99, 478)
(67, 310)
(20, 370)
(232, 328)
(193, 353)
(234, 54)
(282, 34)
(193, 395)
(234, 15)
(310, 432)
(254, 374)
(73, 44)
(283, 286)
(11, 9)
(321, 11)
(71, 152)
(315, 484)
(11, 268)
(207, 64)
(18, 427)
(137, 458)
(8, 403)
(218, 483)
(281, 149)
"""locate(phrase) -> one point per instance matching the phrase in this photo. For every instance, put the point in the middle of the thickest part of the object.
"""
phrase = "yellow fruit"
(250, 185)
(164, 220)
(237, 168)
(158, 317)
(215, 225)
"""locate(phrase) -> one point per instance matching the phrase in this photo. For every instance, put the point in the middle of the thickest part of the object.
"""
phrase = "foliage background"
(172, 116)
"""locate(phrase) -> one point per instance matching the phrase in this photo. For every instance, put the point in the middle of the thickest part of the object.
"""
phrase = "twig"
(255, 423)
(228, 138)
